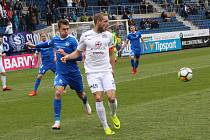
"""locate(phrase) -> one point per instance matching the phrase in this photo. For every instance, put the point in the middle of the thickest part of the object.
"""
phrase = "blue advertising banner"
(163, 45)
(16, 42)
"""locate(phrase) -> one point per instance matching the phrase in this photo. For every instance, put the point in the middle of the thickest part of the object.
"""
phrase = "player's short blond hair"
(99, 17)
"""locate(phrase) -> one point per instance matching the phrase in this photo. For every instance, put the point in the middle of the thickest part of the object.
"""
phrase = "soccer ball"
(185, 74)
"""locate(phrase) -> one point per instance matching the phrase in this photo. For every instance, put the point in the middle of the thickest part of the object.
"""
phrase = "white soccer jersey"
(97, 50)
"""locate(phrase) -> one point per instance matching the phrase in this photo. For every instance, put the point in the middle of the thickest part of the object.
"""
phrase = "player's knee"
(98, 98)
(59, 90)
(111, 99)
(3, 73)
(39, 76)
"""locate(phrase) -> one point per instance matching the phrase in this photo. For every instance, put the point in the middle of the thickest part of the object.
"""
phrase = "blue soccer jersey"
(47, 56)
(66, 73)
(135, 41)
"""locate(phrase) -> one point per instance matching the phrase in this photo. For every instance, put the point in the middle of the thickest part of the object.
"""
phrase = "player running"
(68, 73)
(135, 51)
(48, 59)
(99, 67)
(2, 70)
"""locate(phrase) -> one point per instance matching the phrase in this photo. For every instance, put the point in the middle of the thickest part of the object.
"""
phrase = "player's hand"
(61, 51)
(145, 46)
(64, 59)
(3, 54)
(30, 45)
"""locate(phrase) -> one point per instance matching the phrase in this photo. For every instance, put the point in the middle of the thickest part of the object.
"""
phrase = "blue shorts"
(45, 68)
(74, 81)
(135, 54)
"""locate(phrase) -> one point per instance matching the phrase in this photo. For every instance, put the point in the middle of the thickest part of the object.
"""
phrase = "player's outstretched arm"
(2, 54)
(29, 44)
(145, 46)
(124, 45)
(73, 55)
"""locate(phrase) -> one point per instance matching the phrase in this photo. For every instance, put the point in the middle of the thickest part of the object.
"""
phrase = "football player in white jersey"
(99, 68)
(2, 70)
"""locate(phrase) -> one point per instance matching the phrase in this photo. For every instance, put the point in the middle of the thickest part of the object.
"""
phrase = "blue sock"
(37, 83)
(137, 64)
(57, 109)
(132, 63)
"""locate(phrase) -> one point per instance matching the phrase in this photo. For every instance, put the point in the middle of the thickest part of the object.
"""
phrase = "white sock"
(113, 107)
(3, 79)
(101, 114)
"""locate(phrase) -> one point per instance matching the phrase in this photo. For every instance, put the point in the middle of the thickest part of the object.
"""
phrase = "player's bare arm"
(29, 44)
(112, 58)
(62, 52)
(73, 55)
(124, 45)
(145, 46)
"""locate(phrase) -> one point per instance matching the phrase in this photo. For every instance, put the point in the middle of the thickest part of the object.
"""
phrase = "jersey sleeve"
(81, 45)
(46, 44)
(111, 40)
(128, 37)
(74, 43)
(139, 33)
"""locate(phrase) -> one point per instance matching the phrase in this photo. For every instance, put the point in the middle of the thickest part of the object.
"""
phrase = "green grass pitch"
(152, 105)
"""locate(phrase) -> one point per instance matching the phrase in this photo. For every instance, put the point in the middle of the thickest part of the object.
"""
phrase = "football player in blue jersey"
(66, 73)
(135, 47)
(48, 59)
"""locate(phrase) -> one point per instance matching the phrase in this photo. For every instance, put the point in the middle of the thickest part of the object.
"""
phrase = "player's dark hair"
(63, 22)
(99, 17)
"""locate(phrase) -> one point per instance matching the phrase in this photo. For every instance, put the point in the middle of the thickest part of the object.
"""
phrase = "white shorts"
(2, 68)
(101, 81)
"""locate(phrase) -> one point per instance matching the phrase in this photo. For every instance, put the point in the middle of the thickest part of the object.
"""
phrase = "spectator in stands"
(90, 18)
(18, 7)
(16, 21)
(74, 17)
(76, 4)
(100, 3)
(131, 21)
(149, 8)
(84, 18)
(84, 4)
(165, 16)
(142, 23)
(69, 3)
(48, 15)
(125, 15)
(207, 14)
(10, 14)
(36, 13)
(4, 17)
(28, 21)
(184, 11)
(147, 24)
(154, 24)
(55, 13)
(23, 23)
(33, 21)
(9, 29)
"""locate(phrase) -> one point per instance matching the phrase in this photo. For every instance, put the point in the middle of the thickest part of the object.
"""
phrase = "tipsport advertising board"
(161, 42)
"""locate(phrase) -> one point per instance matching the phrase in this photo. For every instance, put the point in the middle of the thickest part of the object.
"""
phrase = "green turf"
(153, 105)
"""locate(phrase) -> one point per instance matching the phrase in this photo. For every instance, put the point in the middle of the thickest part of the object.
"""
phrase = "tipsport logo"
(160, 46)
